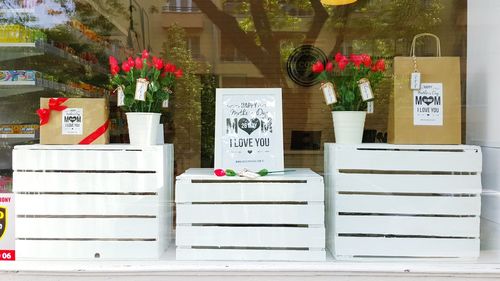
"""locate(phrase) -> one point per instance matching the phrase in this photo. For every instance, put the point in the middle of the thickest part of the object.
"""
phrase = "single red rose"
(131, 62)
(114, 69)
(367, 60)
(138, 63)
(125, 67)
(169, 67)
(343, 63)
(357, 60)
(317, 67)
(329, 66)
(178, 73)
(379, 66)
(112, 61)
(339, 57)
(145, 54)
(158, 63)
(219, 172)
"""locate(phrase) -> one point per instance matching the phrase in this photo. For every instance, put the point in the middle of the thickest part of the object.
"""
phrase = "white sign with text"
(428, 105)
(249, 129)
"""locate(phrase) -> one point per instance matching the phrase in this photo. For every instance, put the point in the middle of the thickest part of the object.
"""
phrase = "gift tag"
(415, 81)
(329, 93)
(141, 88)
(164, 104)
(365, 89)
(370, 107)
(120, 96)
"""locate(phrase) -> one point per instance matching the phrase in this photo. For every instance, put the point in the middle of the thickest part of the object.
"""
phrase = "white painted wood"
(406, 247)
(429, 226)
(251, 236)
(86, 160)
(250, 255)
(251, 214)
(109, 228)
(87, 182)
(86, 250)
(385, 158)
(442, 205)
(443, 184)
(311, 191)
(387, 179)
(82, 204)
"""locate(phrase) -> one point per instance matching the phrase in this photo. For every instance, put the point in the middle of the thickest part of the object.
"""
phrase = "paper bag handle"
(438, 43)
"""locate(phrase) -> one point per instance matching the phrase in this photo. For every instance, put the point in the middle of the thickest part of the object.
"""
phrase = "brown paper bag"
(433, 114)
(85, 121)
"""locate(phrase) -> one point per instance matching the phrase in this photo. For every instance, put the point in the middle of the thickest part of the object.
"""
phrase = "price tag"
(120, 96)
(366, 89)
(329, 93)
(370, 107)
(7, 255)
(141, 88)
(164, 104)
(415, 81)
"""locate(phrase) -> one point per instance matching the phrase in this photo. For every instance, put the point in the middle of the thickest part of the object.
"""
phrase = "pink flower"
(125, 67)
(343, 63)
(157, 63)
(178, 73)
(329, 66)
(112, 61)
(169, 67)
(357, 60)
(367, 60)
(317, 67)
(379, 66)
(138, 63)
(339, 57)
(114, 69)
(145, 54)
(130, 62)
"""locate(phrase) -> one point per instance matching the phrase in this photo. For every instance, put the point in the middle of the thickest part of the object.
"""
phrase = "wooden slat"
(429, 226)
(448, 184)
(250, 236)
(251, 214)
(87, 205)
(443, 205)
(86, 250)
(137, 228)
(91, 160)
(349, 157)
(86, 182)
(250, 255)
(406, 247)
(224, 192)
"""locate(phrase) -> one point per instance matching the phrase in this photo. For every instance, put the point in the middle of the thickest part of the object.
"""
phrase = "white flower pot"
(348, 126)
(143, 128)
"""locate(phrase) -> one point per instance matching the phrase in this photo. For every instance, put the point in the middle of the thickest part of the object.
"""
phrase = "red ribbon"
(54, 104)
(96, 134)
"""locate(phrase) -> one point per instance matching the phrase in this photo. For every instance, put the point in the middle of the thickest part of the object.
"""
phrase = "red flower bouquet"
(352, 80)
(143, 84)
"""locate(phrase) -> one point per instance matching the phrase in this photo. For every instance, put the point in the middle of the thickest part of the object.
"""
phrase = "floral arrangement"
(347, 83)
(143, 84)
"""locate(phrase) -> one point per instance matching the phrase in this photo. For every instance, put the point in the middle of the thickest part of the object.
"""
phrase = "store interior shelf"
(12, 51)
(24, 87)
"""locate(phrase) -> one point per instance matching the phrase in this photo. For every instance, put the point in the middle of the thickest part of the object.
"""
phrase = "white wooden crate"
(276, 217)
(403, 201)
(93, 202)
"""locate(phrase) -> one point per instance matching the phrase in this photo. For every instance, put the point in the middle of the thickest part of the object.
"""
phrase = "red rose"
(163, 74)
(112, 61)
(138, 63)
(329, 66)
(367, 60)
(379, 66)
(343, 63)
(145, 54)
(114, 69)
(157, 63)
(178, 73)
(357, 60)
(130, 62)
(125, 67)
(339, 57)
(169, 67)
(317, 67)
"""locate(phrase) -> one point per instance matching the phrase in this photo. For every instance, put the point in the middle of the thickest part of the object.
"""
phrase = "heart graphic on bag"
(72, 119)
(249, 125)
(428, 100)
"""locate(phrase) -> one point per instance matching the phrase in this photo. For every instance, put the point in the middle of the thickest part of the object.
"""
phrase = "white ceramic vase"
(348, 126)
(143, 128)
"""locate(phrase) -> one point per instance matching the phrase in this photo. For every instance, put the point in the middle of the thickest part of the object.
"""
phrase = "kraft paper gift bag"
(432, 113)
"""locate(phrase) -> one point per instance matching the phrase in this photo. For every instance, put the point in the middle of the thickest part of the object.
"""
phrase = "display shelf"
(12, 51)
(23, 87)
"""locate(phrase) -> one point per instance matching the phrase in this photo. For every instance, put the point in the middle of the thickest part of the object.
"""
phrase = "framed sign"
(249, 129)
